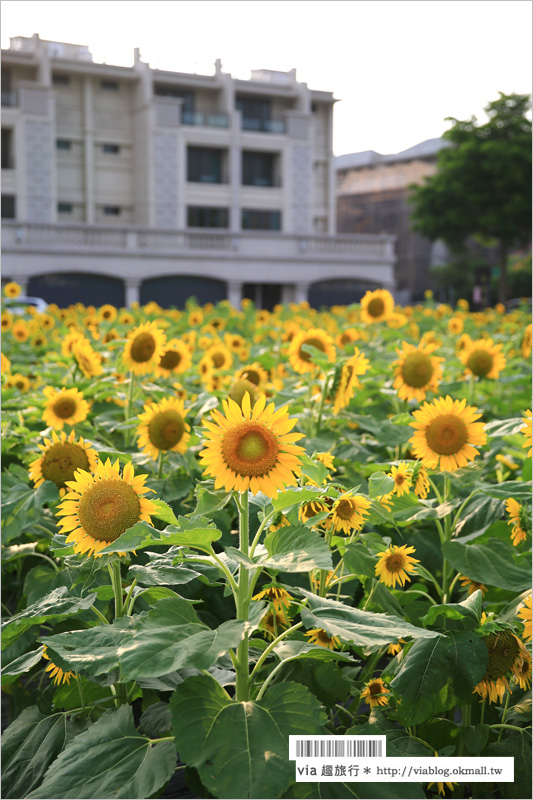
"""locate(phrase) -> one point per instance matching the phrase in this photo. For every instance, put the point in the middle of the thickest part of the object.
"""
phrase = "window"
(258, 168)
(110, 86)
(7, 149)
(111, 211)
(64, 208)
(204, 165)
(253, 220)
(111, 148)
(63, 144)
(160, 90)
(255, 112)
(199, 217)
(8, 206)
(60, 80)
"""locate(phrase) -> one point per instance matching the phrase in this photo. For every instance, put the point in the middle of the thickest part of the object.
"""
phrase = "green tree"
(482, 187)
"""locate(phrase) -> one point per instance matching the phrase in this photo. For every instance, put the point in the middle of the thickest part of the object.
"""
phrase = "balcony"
(202, 119)
(10, 99)
(264, 125)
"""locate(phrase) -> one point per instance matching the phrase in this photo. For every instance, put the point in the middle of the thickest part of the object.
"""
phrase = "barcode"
(330, 747)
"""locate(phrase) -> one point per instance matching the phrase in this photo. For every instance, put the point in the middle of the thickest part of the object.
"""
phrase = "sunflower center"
(250, 450)
(399, 479)
(109, 508)
(376, 307)
(218, 359)
(446, 434)
(375, 689)
(344, 510)
(143, 347)
(166, 429)
(323, 637)
(480, 362)
(64, 408)
(312, 342)
(170, 360)
(417, 370)
(252, 376)
(503, 649)
(346, 338)
(395, 562)
(61, 461)
(239, 389)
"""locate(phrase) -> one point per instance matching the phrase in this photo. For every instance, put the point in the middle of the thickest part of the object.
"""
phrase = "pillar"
(234, 290)
(133, 291)
(301, 292)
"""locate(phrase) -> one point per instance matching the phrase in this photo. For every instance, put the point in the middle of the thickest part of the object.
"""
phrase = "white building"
(138, 184)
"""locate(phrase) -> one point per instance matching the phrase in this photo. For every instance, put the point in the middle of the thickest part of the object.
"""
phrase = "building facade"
(373, 197)
(157, 183)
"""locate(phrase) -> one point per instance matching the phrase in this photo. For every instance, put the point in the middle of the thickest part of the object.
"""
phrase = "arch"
(67, 288)
(175, 290)
(339, 291)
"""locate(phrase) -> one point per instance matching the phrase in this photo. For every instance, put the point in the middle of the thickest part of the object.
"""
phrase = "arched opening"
(175, 290)
(67, 288)
(338, 292)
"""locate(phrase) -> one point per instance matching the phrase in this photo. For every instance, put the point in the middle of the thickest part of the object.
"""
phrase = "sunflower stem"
(100, 615)
(322, 401)
(466, 721)
(127, 410)
(242, 688)
(80, 690)
(262, 658)
(161, 458)
(128, 604)
(506, 706)
(116, 583)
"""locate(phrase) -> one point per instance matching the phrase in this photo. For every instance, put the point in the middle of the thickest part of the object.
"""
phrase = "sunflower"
(456, 325)
(312, 508)
(88, 361)
(107, 313)
(348, 381)
(395, 647)
(220, 356)
(273, 621)
(39, 340)
(67, 343)
(301, 361)
(519, 520)
(19, 331)
(99, 508)
(326, 459)
(417, 371)
(319, 636)
(505, 654)
(61, 457)
(7, 321)
(348, 513)
(525, 615)
(375, 693)
(126, 318)
(472, 585)
(19, 381)
(251, 449)
(6, 364)
(483, 358)
(377, 306)
(163, 428)
(254, 373)
(525, 346)
(279, 596)
(46, 321)
(12, 289)
(144, 347)
(347, 337)
(463, 304)
(239, 389)
(522, 670)
(445, 432)
(402, 476)
(526, 430)
(57, 673)
(506, 461)
(234, 342)
(196, 318)
(421, 480)
(440, 784)
(394, 565)
(176, 359)
(279, 521)
(64, 407)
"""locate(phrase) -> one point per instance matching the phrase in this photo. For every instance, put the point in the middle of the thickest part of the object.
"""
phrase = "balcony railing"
(206, 120)
(9, 99)
(263, 125)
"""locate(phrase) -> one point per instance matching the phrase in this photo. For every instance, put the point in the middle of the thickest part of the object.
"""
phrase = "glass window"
(258, 168)
(253, 220)
(255, 112)
(200, 217)
(60, 80)
(110, 86)
(204, 165)
(111, 211)
(8, 206)
(63, 144)
(7, 149)
(160, 90)
(64, 208)
(110, 148)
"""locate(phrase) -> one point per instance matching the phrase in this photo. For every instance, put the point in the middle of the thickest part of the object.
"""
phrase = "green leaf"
(241, 749)
(109, 760)
(318, 472)
(468, 613)
(439, 674)
(492, 563)
(29, 745)
(41, 580)
(296, 549)
(143, 535)
(518, 489)
(161, 571)
(292, 650)
(503, 427)
(209, 500)
(21, 664)
(379, 484)
(300, 495)
(156, 720)
(517, 746)
(475, 737)
(149, 645)
(477, 516)
(164, 512)
(23, 505)
(360, 628)
(359, 561)
(56, 605)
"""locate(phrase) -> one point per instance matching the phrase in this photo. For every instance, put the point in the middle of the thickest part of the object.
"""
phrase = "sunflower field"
(223, 527)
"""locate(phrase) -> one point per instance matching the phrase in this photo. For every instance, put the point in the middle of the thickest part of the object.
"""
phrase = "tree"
(482, 187)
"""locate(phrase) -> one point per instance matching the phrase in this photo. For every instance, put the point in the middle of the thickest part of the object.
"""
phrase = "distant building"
(125, 184)
(373, 197)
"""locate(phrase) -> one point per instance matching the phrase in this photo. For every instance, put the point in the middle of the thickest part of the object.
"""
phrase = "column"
(88, 150)
(234, 290)
(133, 291)
(301, 292)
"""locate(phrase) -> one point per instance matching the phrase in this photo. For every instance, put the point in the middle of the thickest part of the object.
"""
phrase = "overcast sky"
(397, 67)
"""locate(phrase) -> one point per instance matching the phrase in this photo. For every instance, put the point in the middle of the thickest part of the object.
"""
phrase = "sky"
(397, 67)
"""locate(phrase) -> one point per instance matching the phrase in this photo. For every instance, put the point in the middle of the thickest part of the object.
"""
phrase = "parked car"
(21, 304)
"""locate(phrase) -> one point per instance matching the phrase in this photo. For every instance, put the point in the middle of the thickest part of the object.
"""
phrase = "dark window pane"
(64, 208)
(63, 144)
(160, 90)
(8, 206)
(204, 165)
(257, 168)
(112, 211)
(7, 149)
(111, 86)
(60, 80)
(110, 148)
(254, 220)
(200, 217)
